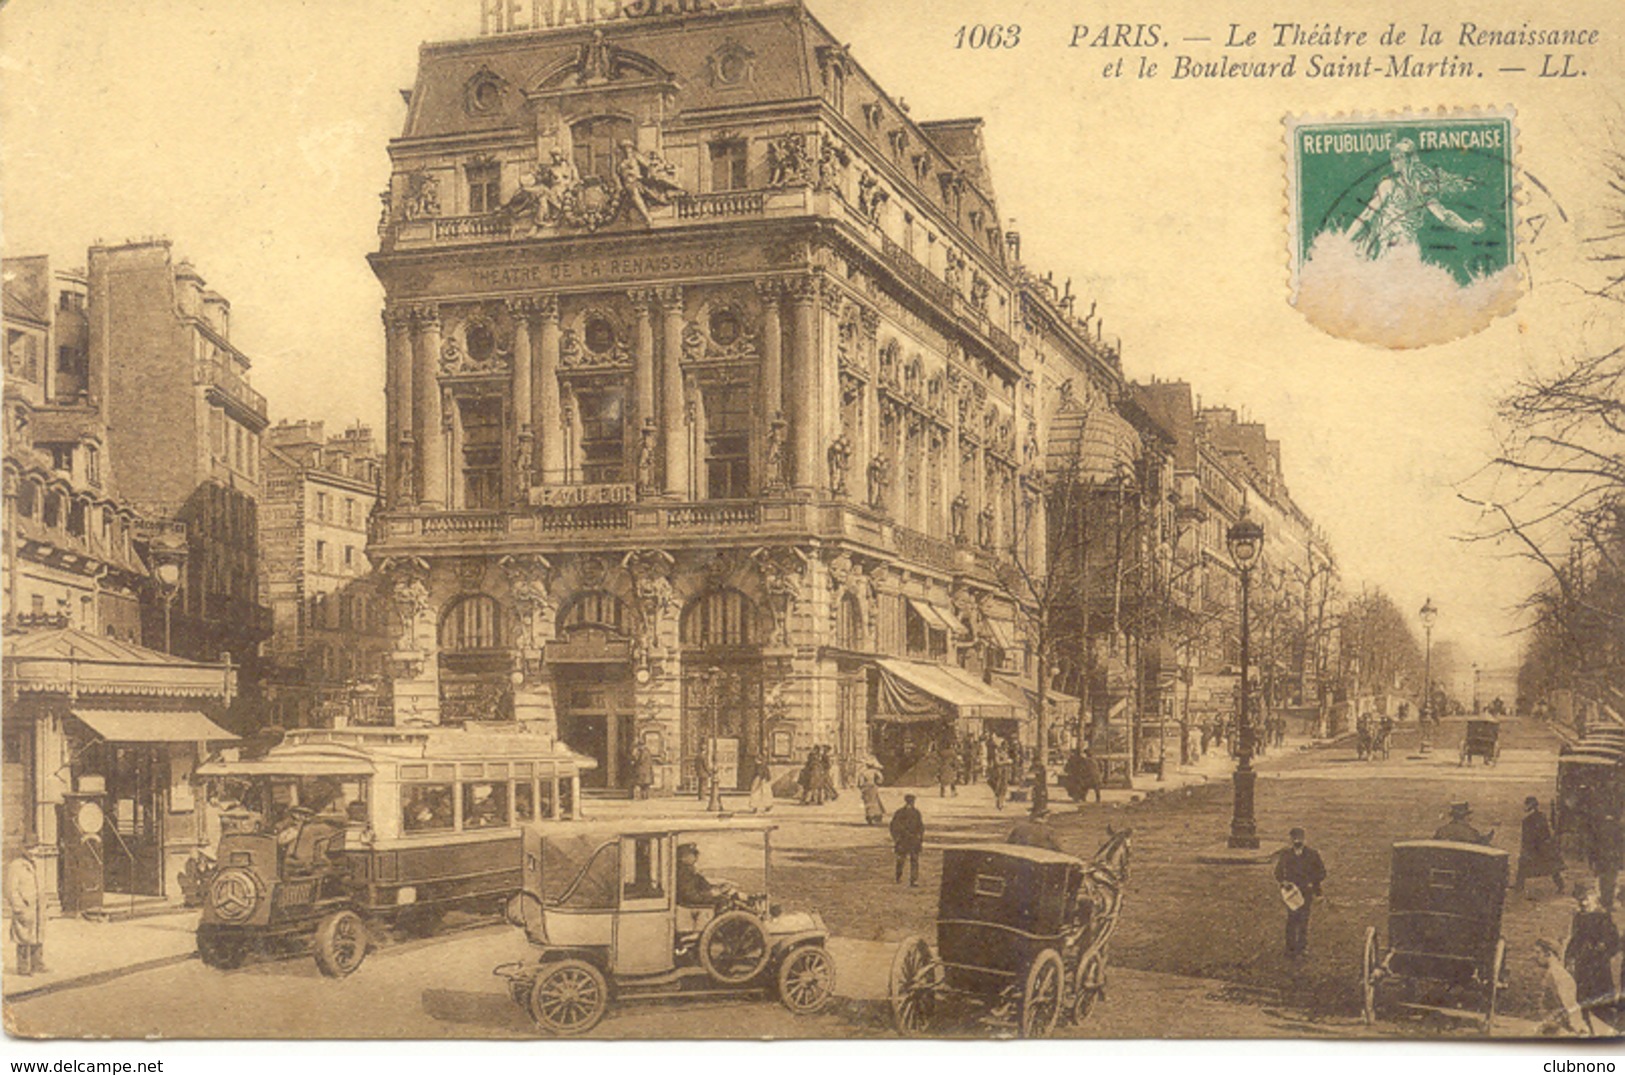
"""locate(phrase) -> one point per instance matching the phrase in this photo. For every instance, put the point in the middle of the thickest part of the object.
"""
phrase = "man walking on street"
(1538, 851)
(1299, 871)
(908, 838)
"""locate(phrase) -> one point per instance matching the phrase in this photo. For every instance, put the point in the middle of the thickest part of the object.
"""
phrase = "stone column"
(524, 470)
(547, 420)
(673, 406)
(806, 418)
(398, 405)
(427, 421)
(643, 370)
(772, 384)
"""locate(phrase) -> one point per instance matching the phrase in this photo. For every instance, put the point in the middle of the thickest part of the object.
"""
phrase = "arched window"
(849, 627)
(471, 623)
(719, 618)
(595, 141)
(598, 609)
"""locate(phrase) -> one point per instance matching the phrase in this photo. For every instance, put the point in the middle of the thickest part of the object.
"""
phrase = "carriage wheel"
(1041, 996)
(1495, 985)
(341, 944)
(1368, 981)
(807, 979)
(1089, 987)
(569, 997)
(733, 947)
(915, 977)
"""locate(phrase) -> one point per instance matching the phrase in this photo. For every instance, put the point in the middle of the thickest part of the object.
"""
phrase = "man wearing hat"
(1538, 852)
(693, 890)
(1034, 831)
(1299, 866)
(908, 839)
(1459, 830)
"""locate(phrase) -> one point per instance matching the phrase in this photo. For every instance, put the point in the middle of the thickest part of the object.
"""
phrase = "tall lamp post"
(166, 572)
(1429, 615)
(1246, 542)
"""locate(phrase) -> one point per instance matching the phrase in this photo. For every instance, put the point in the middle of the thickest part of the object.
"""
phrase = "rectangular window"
(427, 808)
(62, 457)
(321, 553)
(728, 166)
(524, 800)
(321, 506)
(484, 188)
(349, 556)
(482, 453)
(728, 410)
(485, 805)
(641, 871)
(349, 511)
(603, 434)
(546, 808)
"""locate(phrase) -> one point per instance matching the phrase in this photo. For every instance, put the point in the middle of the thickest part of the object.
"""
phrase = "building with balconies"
(330, 639)
(707, 429)
(183, 425)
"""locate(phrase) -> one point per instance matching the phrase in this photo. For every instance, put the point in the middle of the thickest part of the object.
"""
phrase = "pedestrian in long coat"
(643, 772)
(808, 778)
(705, 773)
(998, 776)
(25, 900)
(826, 774)
(1593, 940)
(1300, 866)
(874, 810)
(908, 839)
(947, 772)
(1538, 852)
(761, 784)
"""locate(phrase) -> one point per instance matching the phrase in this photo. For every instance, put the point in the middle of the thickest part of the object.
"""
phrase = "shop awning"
(1000, 636)
(917, 691)
(146, 726)
(936, 618)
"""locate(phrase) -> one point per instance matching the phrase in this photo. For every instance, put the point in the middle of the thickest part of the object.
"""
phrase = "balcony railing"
(585, 517)
(927, 550)
(484, 226)
(727, 513)
(726, 204)
(466, 523)
(903, 263)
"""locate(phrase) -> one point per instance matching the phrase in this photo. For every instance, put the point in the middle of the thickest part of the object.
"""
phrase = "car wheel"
(341, 944)
(807, 979)
(733, 947)
(569, 997)
(221, 951)
(915, 978)
(1041, 996)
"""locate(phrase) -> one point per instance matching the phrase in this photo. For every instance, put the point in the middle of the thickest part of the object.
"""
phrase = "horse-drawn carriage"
(1023, 931)
(1482, 740)
(1372, 737)
(1444, 951)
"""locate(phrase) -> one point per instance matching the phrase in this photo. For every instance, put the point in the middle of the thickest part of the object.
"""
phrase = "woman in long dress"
(874, 811)
(761, 785)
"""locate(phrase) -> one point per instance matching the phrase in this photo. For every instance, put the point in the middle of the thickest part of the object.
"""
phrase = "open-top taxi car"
(625, 913)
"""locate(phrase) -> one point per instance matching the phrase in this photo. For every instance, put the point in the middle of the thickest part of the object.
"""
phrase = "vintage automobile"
(1444, 951)
(604, 908)
(1482, 740)
(1021, 931)
(333, 833)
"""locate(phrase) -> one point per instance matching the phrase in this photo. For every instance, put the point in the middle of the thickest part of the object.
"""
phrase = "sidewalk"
(80, 951)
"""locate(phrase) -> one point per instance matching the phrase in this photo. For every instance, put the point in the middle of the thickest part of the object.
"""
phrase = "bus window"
(524, 800)
(426, 807)
(485, 805)
(567, 799)
(546, 808)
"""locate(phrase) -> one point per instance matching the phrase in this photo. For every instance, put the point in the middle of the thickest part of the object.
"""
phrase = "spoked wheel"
(915, 977)
(569, 997)
(733, 947)
(1089, 988)
(807, 979)
(1368, 983)
(341, 944)
(1041, 995)
(1495, 985)
(221, 951)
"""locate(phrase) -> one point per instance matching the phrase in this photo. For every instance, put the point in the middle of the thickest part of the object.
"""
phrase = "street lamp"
(1246, 541)
(1429, 615)
(167, 572)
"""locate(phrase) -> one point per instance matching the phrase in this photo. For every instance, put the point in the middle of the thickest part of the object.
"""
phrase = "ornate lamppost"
(168, 562)
(1246, 542)
(1429, 615)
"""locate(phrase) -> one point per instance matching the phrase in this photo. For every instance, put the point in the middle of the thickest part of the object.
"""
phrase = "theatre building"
(705, 416)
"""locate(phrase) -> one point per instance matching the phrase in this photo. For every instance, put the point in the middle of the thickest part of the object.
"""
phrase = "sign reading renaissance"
(522, 16)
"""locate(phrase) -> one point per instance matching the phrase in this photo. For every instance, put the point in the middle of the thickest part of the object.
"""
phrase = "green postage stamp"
(1403, 227)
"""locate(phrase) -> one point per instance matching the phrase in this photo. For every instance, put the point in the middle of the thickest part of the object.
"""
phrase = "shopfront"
(922, 709)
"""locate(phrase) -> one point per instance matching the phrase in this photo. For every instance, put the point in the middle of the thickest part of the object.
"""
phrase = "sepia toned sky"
(253, 135)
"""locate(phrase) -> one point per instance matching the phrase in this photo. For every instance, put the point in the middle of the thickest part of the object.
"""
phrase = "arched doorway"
(474, 666)
(722, 686)
(592, 685)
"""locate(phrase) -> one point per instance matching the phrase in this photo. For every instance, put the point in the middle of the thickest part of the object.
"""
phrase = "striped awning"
(148, 726)
(918, 691)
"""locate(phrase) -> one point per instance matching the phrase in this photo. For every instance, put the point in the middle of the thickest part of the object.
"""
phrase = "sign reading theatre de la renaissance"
(520, 16)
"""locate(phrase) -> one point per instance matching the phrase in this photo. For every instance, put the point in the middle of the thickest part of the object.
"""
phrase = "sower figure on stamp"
(908, 839)
(1300, 872)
